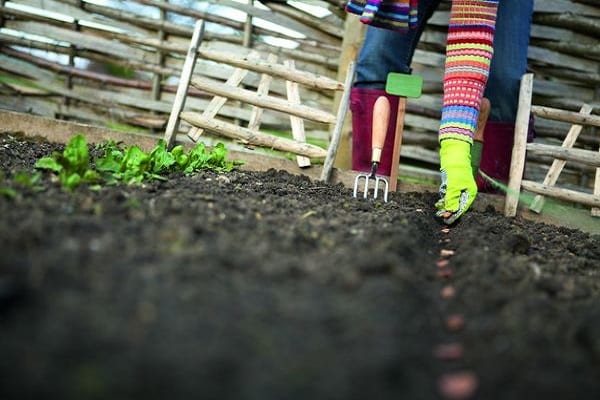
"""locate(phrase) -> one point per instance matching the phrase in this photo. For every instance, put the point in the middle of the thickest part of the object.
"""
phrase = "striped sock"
(468, 56)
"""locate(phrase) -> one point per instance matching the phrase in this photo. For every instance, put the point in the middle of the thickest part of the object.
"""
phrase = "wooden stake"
(184, 83)
(339, 123)
(262, 90)
(596, 210)
(297, 124)
(517, 165)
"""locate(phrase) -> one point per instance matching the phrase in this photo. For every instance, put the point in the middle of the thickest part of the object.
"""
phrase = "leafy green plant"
(72, 165)
(131, 164)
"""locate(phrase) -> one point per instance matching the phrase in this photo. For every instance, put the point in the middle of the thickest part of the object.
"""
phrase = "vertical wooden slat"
(160, 59)
(596, 210)
(184, 83)
(293, 96)
(263, 89)
(354, 32)
(248, 28)
(517, 164)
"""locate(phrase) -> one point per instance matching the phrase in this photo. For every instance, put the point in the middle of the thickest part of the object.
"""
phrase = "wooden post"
(354, 33)
(184, 83)
(558, 165)
(248, 28)
(160, 60)
(596, 210)
(517, 164)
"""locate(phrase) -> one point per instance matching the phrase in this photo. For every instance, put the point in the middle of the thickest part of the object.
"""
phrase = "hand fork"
(381, 117)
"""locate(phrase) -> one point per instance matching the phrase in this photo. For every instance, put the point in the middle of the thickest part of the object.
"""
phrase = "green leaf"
(8, 192)
(48, 163)
(110, 162)
(160, 158)
(77, 155)
(71, 181)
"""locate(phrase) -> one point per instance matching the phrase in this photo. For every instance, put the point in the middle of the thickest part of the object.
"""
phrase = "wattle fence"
(117, 63)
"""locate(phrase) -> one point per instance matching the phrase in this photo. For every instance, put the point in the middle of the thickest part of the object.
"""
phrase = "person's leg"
(383, 51)
(511, 42)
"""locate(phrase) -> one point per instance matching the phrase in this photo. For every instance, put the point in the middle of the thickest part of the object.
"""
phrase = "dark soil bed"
(270, 286)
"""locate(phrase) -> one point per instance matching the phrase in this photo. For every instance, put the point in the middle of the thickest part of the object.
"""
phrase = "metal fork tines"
(377, 180)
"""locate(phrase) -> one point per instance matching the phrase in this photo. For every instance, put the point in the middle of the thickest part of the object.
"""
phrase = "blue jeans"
(385, 51)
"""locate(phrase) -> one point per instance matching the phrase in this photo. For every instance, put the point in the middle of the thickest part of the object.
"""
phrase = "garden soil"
(267, 285)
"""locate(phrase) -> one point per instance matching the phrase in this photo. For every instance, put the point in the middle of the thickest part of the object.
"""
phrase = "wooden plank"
(517, 164)
(307, 19)
(565, 116)
(184, 83)
(302, 77)
(537, 54)
(280, 20)
(81, 40)
(293, 96)
(74, 10)
(579, 155)
(573, 196)
(565, 6)
(255, 138)
(268, 102)
(558, 165)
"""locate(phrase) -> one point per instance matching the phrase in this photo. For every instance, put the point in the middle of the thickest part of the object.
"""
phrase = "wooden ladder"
(561, 154)
(259, 100)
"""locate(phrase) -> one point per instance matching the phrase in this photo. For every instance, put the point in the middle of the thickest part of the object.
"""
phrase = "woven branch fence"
(117, 63)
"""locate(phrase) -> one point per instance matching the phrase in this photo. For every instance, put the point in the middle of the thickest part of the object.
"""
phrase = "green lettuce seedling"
(131, 165)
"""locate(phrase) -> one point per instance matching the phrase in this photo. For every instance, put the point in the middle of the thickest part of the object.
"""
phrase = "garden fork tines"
(381, 116)
(376, 179)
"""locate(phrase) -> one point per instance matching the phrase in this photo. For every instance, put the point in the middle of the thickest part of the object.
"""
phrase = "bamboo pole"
(255, 138)
(269, 102)
(517, 164)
